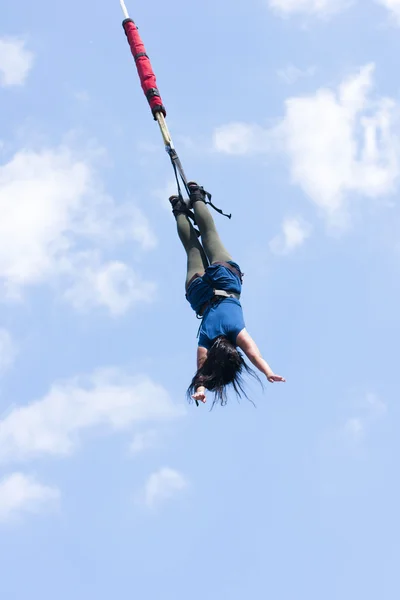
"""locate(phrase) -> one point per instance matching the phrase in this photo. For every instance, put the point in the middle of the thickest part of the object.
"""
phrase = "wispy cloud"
(82, 96)
(327, 8)
(240, 138)
(294, 233)
(290, 74)
(8, 350)
(163, 485)
(144, 440)
(322, 8)
(55, 424)
(15, 61)
(113, 285)
(393, 6)
(20, 494)
(370, 410)
(354, 428)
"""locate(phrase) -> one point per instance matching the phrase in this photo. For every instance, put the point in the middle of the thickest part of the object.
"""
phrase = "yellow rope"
(164, 129)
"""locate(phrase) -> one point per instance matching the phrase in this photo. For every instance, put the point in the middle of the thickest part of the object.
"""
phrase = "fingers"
(276, 378)
(199, 398)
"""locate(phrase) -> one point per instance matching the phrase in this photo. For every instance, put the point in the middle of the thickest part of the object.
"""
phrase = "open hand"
(274, 378)
(199, 397)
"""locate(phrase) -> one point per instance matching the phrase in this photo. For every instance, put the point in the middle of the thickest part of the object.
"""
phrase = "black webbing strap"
(177, 166)
(152, 92)
(178, 171)
(208, 201)
(139, 55)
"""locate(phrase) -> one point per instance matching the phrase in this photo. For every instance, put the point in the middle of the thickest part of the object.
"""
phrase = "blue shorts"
(216, 276)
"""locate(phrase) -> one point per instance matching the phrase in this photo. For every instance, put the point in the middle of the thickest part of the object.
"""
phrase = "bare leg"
(196, 258)
(213, 246)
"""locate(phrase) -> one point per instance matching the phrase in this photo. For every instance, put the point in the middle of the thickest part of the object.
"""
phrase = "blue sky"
(110, 484)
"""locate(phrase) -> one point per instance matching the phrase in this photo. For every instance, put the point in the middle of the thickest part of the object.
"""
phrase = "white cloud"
(53, 209)
(54, 424)
(239, 139)
(104, 220)
(294, 233)
(143, 441)
(370, 410)
(375, 406)
(162, 486)
(8, 350)
(339, 143)
(290, 74)
(40, 195)
(23, 494)
(314, 7)
(113, 285)
(15, 62)
(354, 428)
(82, 96)
(393, 6)
(342, 142)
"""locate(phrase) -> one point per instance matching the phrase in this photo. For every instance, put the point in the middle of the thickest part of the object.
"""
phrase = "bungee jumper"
(213, 280)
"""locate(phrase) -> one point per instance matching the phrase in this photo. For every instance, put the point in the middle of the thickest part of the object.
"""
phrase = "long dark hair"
(223, 366)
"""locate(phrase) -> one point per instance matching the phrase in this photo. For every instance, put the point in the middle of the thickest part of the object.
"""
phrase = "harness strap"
(225, 294)
(178, 171)
(208, 201)
(218, 210)
(218, 296)
(231, 268)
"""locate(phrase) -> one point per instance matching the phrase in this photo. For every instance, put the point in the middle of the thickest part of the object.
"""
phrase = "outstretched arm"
(249, 347)
(200, 393)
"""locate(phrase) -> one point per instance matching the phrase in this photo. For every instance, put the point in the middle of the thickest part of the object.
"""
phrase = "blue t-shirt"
(226, 316)
(223, 318)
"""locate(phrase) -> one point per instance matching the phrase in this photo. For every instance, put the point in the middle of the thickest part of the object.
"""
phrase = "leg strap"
(199, 194)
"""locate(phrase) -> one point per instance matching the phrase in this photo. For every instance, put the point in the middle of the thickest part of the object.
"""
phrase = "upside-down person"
(213, 287)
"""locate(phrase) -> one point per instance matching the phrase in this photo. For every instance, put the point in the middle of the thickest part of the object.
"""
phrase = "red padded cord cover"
(144, 68)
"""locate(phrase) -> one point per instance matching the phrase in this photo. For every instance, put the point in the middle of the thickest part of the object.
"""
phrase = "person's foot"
(196, 193)
(179, 206)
